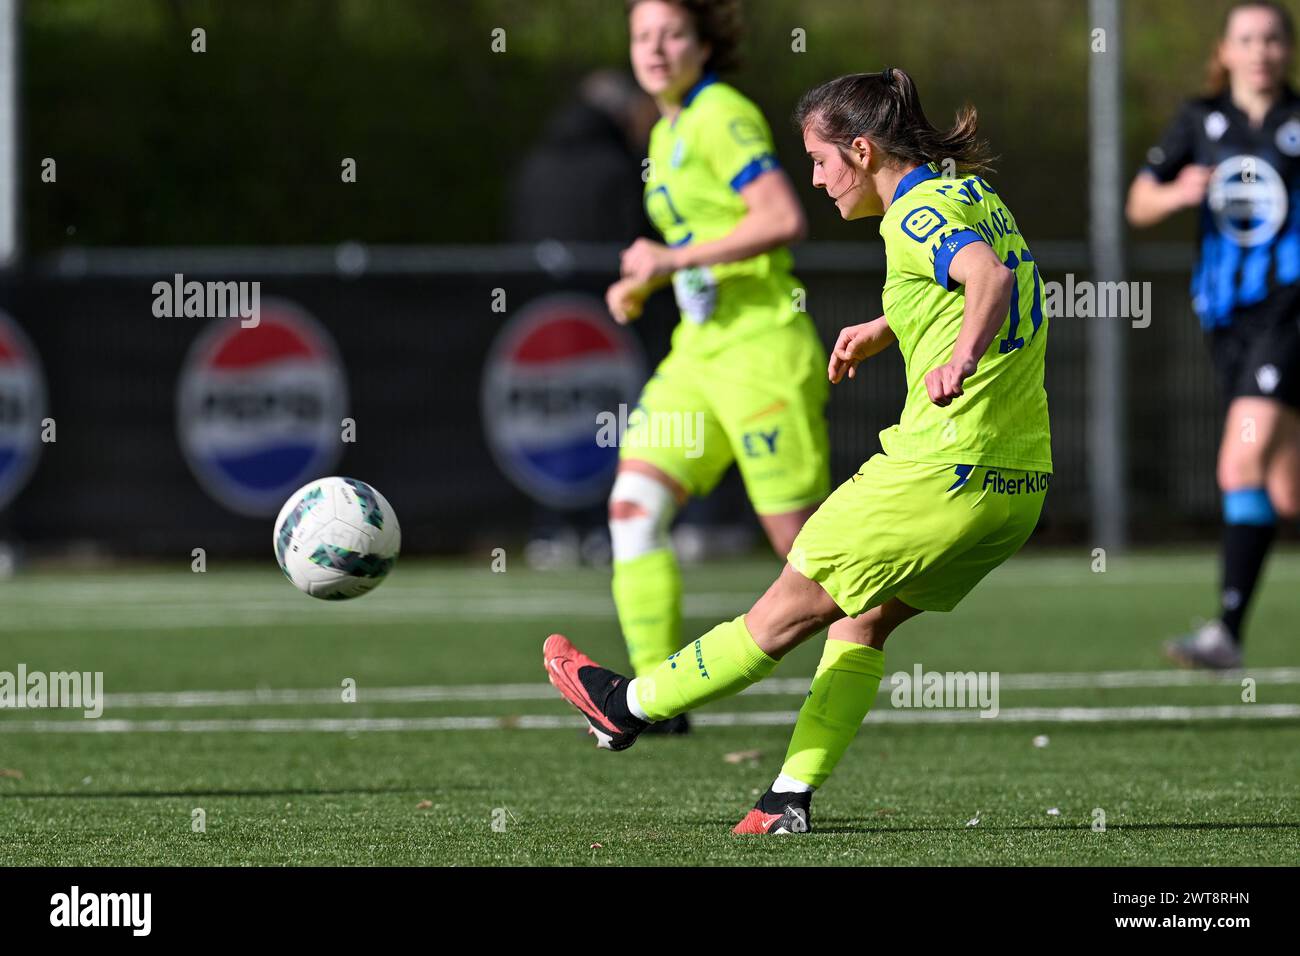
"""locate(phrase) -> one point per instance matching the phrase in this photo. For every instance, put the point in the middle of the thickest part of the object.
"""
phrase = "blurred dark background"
(226, 165)
(242, 144)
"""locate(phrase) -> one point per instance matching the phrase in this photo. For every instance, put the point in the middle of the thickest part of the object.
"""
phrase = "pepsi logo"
(551, 371)
(259, 408)
(22, 407)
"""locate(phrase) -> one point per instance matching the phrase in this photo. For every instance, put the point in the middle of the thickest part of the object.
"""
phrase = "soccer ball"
(336, 538)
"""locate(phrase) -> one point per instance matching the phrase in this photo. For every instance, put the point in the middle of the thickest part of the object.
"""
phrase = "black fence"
(413, 342)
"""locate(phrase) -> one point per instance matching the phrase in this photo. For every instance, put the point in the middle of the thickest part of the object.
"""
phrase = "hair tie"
(887, 74)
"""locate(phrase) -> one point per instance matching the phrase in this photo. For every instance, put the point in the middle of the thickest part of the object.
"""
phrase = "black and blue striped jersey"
(1249, 220)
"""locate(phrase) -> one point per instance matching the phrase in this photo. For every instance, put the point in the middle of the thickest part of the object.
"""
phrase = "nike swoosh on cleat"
(758, 822)
(755, 822)
(572, 691)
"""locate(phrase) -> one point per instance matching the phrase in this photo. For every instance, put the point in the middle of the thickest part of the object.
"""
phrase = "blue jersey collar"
(694, 91)
(918, 175)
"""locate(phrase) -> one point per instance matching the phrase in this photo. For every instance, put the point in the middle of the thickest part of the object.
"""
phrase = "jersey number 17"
(1014, 262)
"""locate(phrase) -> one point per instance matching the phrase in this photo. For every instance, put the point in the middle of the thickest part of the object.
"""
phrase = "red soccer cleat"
(778, 813)
(594, 690)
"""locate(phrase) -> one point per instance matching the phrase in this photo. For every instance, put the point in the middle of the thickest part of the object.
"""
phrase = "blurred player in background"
(744, 380)
(960, 484)
(1235, 156)
(578, 183)
(573, 184)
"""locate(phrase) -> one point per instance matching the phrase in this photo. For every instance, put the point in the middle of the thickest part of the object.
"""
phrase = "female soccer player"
(743, 380)
(960, 484)
(1235, 155)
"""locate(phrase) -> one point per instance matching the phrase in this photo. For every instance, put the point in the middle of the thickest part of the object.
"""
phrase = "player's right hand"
(850, 349)
(625, 300)
(1191, 183)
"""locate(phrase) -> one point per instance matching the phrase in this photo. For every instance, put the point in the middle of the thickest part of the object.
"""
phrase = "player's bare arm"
(773, 219)
(625, 298)
(1151, 201)
(857, 343)
(988, 286)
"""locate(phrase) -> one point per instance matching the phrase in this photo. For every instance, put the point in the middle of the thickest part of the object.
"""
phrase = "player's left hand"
(944, 383)
(850, 348)
(646, 260)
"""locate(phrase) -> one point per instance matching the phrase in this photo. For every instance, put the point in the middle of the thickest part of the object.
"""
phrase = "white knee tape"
(633, 537)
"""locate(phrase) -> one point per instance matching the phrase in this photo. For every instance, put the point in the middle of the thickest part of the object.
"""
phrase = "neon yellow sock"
(648, 595)
(723, 662)
(843, 690)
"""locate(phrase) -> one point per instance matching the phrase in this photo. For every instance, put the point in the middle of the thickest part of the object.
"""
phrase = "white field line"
(775, 687)
(158, 586)
(295, 612)
(184, 601)
(1036, 715)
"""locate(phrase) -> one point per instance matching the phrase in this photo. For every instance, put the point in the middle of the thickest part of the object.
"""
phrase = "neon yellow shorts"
(923, 533)
(760, 402)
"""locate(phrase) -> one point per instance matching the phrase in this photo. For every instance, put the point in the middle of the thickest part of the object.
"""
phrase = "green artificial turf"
(325, 788)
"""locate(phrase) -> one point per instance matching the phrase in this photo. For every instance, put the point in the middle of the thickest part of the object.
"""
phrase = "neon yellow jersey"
(1001, 419)
(717, 144)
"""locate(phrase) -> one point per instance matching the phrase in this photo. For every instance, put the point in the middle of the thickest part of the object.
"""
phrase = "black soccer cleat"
(673, 726)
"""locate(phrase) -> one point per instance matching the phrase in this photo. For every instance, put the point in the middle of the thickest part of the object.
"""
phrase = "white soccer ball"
(336, 538)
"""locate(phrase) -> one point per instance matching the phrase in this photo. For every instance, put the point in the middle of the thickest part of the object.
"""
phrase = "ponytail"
(886, 108)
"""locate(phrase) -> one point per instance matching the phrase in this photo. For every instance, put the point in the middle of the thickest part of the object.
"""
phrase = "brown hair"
(717, 23)
(1216, 74)
(886, 108)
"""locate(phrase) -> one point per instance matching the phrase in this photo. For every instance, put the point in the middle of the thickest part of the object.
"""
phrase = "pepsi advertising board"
(260, 409)
(551, 371)
(22, 407)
